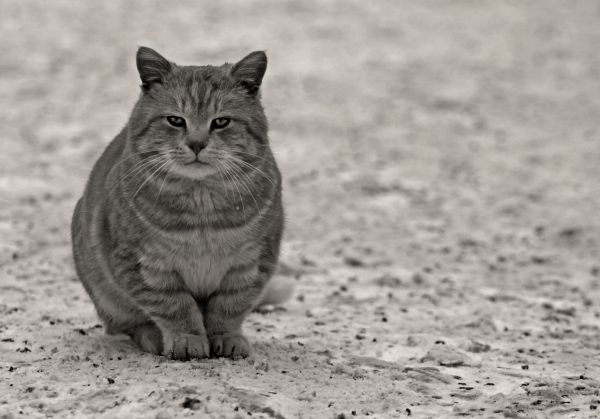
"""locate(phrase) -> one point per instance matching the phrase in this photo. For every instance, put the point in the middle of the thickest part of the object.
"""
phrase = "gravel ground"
(441, 184)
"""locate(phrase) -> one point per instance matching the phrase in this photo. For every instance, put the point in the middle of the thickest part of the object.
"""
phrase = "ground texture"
(442, 190)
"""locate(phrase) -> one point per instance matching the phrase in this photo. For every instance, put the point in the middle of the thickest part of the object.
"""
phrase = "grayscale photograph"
(299, 209)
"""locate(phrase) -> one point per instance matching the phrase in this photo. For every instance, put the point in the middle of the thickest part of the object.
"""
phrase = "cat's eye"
(176, 121)
(219, 123)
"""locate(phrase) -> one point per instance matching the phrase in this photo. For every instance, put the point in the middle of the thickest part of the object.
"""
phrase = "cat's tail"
(277, 291)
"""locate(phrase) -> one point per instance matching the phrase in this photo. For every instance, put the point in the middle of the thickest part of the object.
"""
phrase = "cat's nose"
(196, 146)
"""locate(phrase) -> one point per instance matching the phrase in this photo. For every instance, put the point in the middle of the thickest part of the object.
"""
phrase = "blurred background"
(372, 107)
(441, 152)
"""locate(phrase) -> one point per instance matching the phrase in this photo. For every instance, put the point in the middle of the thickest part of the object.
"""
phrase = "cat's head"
(199, 121)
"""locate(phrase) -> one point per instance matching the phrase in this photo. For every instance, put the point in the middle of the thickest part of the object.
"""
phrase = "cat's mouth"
(196, 161)
(193, 168)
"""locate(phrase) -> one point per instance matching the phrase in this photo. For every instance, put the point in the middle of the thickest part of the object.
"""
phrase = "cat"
(177, 234)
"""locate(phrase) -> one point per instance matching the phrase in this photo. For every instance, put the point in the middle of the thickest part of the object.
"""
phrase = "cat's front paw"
(187, 346)
(148, 338)
(233, 345)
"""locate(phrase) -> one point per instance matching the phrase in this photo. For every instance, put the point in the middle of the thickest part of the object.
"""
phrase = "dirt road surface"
(442, 191)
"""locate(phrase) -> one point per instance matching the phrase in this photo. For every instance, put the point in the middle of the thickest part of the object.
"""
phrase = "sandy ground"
(441, 183)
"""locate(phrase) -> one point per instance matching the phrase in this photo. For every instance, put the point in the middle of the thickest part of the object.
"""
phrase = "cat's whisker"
(218, 169)
(145, 149)
(235, 175)
(235, 185)
(137, 168)
(246, 182)
(227, 175)
(249, 185)
(232, 163)
(137, 156)
(235, 181)
(149, 147)
(251, 167)
(164, 180)
(160, 167)
(145, 167)
(140, 166)
(258, 156)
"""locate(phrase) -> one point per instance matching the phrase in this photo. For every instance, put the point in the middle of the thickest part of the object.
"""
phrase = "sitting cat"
(177, 233)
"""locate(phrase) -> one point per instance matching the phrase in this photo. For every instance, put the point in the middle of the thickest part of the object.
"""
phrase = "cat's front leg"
(162, 295)
(227, 308)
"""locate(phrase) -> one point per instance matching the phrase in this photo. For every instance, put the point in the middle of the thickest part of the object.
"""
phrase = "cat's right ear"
(152, 66)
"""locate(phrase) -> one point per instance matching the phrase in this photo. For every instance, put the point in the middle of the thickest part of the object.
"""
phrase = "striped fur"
(172, 251)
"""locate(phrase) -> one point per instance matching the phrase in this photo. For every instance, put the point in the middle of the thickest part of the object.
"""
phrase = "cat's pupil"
(176, 121)
(220, 123)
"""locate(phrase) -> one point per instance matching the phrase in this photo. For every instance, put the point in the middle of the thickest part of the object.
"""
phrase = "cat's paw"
(148, 338)
(187, 346)
(233, 345)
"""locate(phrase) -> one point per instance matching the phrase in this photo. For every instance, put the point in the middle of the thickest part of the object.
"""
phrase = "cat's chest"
(202, 267)
(203, 260)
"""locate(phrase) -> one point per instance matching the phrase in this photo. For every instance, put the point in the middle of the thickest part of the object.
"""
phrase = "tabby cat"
(177, 234)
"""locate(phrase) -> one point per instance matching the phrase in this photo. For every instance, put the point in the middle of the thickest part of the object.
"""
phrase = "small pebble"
(354, 262)
(189, 403)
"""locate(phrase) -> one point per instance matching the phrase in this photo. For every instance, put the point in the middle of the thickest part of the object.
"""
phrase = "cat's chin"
(194, 170)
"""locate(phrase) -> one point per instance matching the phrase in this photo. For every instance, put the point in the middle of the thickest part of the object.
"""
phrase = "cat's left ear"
(152, 66)
(249, 71)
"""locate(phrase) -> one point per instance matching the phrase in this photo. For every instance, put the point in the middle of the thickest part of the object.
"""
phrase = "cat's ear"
(152, 66)
(249, 71)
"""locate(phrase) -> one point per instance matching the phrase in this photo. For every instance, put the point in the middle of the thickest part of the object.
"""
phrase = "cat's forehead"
(207, 74)
(194, 88)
